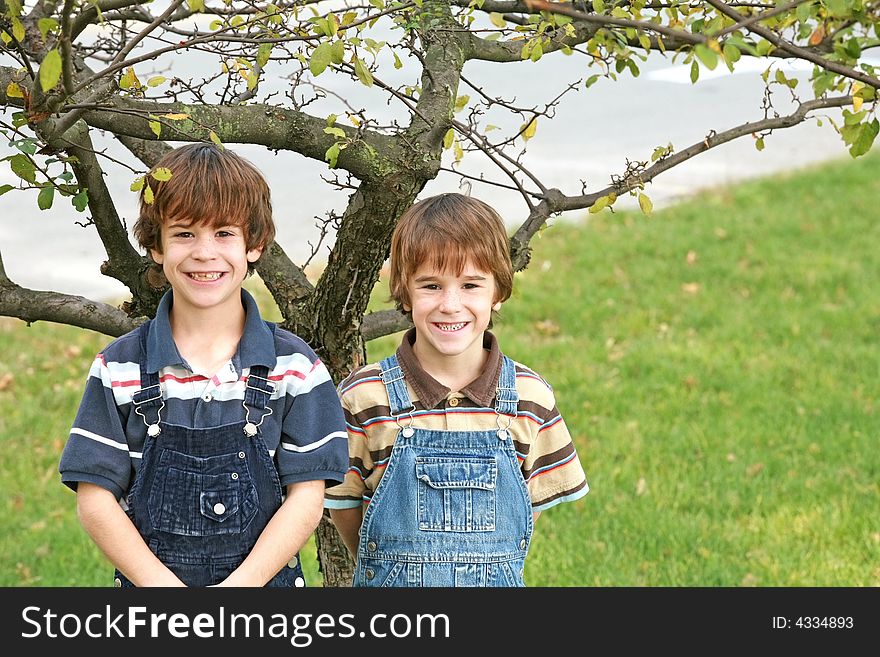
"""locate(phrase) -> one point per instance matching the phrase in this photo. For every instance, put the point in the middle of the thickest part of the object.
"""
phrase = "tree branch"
(382, 323)
(556, 201)
(267, 125)
(35, 305)
(797, 51)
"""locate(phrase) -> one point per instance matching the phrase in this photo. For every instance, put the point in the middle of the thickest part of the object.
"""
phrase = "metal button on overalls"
(219, 508)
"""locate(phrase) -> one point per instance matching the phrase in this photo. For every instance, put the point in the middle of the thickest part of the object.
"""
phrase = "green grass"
(724, 405)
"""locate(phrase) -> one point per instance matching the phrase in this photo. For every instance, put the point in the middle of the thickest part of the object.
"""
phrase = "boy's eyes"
(436, 286)
(187, 234)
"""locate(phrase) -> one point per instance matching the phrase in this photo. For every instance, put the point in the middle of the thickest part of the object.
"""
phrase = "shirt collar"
(256, 347)
(431, 392)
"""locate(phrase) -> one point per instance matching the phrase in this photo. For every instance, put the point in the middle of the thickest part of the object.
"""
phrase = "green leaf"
(336, 132)
(804, 11)
(156, 80)
(5, 188)
(332, 155)
(321, 58)
(18, 30)
(156, 127)
(732, 54)
(46, 197)
(215, 139)
(591, 81)
(148, 195)
(337, 52)
(23, 167)
(363, 73)
(645, 204)
(759, 143)
(161, 174)
(81, 200)
(137, 184)
(706, 55)
(45, 25)
(50, 70)
(263, 54)
(864, 141)
(537, 51)
(461, 102)
(397, 63)
(695, 72)
(599, 6)
(196, 5)
(852, 119)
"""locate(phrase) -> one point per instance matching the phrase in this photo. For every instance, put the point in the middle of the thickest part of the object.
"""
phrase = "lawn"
(716, 364)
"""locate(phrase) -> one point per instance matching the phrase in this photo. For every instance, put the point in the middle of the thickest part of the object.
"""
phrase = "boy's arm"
(119, 540)
(348, 523)
(286, 533)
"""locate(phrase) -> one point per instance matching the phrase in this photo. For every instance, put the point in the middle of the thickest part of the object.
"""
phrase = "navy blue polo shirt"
(305, 432)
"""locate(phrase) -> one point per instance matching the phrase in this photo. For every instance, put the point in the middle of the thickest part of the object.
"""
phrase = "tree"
(70, 68)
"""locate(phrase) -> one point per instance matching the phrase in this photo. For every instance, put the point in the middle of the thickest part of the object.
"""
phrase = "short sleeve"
(350, 493)
(552, 469)
(97, 451)
(313, 437)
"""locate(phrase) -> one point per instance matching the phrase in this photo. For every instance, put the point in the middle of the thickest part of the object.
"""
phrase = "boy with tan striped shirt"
(454, 448)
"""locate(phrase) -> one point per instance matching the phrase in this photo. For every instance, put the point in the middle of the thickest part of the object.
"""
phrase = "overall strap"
(392, 376)
(506, 396)
(149, 396)
(258, 390)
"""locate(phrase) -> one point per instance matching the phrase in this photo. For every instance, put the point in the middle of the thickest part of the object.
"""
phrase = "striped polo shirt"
(547, 456)
(305, 432)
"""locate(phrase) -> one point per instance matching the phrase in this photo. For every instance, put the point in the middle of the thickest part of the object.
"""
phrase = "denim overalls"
(452, 508)
(202, 497)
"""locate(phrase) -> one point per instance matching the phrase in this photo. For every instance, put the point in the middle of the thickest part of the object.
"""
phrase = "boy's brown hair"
(208, 185)
(446, 231)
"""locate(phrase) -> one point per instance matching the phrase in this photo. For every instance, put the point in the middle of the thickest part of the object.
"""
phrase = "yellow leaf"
(175, 117)
(497, 19)
(527, 131)
(156, 127)
(857, 103)
(448, 138)
(645, 204)
(459, 152)
(148, 195)
(14, 91)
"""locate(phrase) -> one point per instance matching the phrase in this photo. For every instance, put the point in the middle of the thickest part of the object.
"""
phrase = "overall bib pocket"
(202, 496)
(456, 493)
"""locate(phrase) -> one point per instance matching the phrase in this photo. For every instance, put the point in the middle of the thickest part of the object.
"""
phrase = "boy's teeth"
(213, 276)
(451, 327)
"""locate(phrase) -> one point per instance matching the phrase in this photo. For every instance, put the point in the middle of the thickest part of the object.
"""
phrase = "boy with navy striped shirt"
(205, 437)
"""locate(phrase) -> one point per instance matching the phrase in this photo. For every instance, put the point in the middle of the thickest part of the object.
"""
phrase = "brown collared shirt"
(547, 456)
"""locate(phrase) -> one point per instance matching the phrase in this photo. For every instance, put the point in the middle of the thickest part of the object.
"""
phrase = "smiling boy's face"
(451, 311)
(204, 264)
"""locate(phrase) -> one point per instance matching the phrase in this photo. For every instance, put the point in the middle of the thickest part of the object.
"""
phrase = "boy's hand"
(119, 540)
